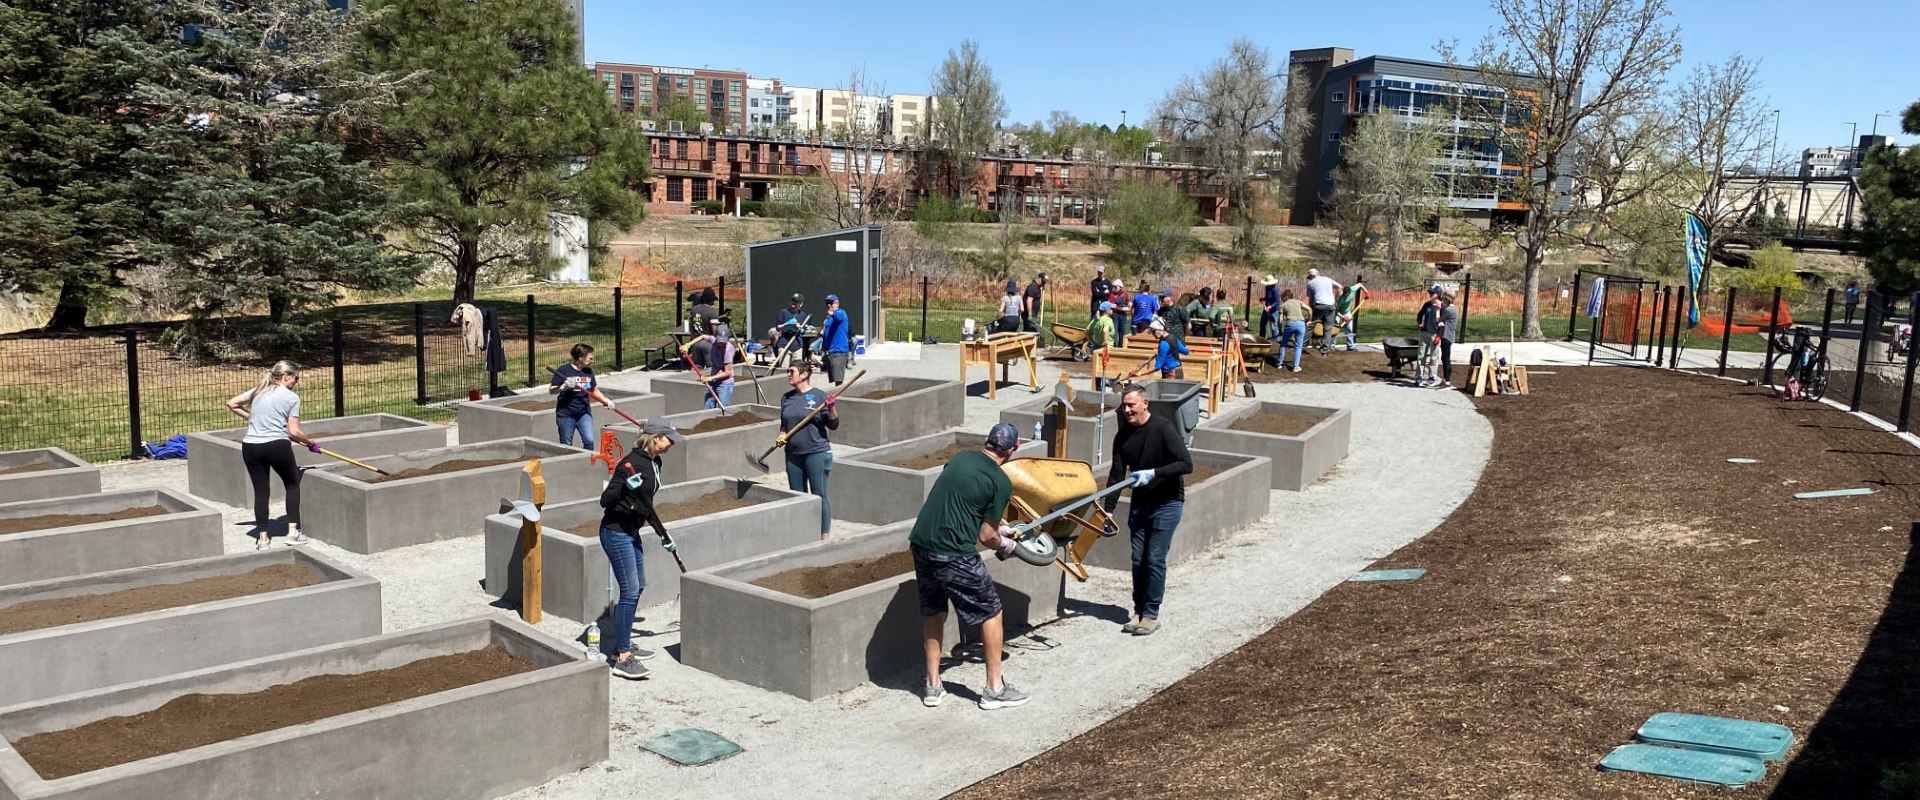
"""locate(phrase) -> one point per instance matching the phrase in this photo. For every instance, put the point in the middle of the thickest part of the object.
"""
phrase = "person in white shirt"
(1322, 293)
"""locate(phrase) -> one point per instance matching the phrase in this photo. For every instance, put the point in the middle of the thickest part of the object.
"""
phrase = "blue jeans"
(808, 473)
(724, 389)
(629, 571)
(1296, 336)
(582, 423)
(1353, 322)
(1152, 529)
(1269, 325)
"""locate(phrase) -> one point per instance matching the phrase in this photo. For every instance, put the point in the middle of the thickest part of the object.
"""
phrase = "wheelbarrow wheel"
(1038, 549)
(1081, 353)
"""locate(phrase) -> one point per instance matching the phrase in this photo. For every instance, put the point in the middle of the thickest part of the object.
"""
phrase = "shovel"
(760, 462)
(1246, 383)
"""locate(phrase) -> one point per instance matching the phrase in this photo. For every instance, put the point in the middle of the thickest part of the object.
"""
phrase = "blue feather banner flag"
(1696, 266)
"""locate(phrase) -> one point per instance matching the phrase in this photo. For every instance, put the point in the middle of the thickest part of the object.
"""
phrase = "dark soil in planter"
(37, 614)
(1086, 409)
(1277, 423)
(1198, 476)
(46, 521)
(938, 458)
(878, 394)
(38, 466)
(709, 503)
(532, 405)
(197, 720)
(444, 467)
(723, 422)
(817, 582)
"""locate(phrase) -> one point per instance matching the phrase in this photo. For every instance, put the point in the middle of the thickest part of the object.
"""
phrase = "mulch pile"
(1277, 423)
(45, 521)
(197, 720)
(442, 468)
(34, 615)
(1610, 565)
(723, 422)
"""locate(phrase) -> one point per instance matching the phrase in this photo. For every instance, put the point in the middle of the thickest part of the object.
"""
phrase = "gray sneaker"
(297, 538)
(930, 696)
(630, 668)
(1007, 697)
(641, 654)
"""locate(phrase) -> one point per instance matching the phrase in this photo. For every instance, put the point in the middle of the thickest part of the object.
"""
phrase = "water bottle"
(1036, 431)
(593, 640)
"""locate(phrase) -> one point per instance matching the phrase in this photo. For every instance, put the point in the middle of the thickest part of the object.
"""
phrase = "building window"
(735, 86)
(606, 76)
(1339, 97)
(680, 83)
(699, 84)
(666, 83)
(676, 190)
(646, 98)
(699, 189)
(1333, 136)
(733, 102)
(680, 148)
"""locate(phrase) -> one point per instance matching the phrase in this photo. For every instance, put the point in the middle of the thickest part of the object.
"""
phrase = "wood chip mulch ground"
(1610, 564)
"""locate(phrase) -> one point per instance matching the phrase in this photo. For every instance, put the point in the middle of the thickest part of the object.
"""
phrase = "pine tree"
(1890, 194)
(265, 200)
(502, 127)
(68, 211)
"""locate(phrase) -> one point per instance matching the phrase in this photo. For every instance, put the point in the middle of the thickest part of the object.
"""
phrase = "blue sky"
(1823, 64)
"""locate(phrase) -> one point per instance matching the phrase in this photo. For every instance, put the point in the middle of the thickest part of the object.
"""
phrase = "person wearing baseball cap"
(1101, 289)
(834, 340)
(1166, 357)
(1100, 333)
(1009, 319)
(1030, 304)
(790, 323)
(628, 504)
(961, 517)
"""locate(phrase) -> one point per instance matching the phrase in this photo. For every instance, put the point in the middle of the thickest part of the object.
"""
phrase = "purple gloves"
(313, 447)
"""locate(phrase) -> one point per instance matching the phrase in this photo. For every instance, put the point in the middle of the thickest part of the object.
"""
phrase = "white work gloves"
(1007, 544)
(1140, 477)
(570, 383)
(608, 401)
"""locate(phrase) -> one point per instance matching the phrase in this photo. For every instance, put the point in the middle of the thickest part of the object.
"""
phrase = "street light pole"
(1773, 151)
(1853, 144)
(1123, 118)
(1876, 122)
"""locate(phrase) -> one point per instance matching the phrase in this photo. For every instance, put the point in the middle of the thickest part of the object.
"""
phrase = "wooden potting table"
(1002, 349)
(1211, 369)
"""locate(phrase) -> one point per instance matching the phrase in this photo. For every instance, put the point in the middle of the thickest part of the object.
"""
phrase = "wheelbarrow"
(1258, 352)
(1073, 339)
(1056, 512)
(1401, 351)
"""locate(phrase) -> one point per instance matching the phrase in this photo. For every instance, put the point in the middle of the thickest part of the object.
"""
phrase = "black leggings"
(278, 457)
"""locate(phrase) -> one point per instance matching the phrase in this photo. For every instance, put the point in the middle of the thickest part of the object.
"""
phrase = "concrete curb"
(923, 406)
(215, 471)
(70, 475)
(187, 530)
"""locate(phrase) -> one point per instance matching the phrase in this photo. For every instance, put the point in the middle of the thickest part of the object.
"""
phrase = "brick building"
(649, 90)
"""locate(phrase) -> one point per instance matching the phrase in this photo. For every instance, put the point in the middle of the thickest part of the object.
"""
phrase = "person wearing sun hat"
(1270, 308)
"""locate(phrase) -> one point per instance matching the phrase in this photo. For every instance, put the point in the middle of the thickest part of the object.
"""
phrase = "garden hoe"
(360, 464)
(759, 462)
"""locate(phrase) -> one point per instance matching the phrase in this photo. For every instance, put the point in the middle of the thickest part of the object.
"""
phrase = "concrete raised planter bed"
(340, 507)
(720, 453)
(1083, 433)
(46, 472)
(1299, 460)
(48, 662)
(484, 740)
(186, 530)
(922, 406)
(488, 420)
(868, 487)
(575, 579)
(1217, 507)
(682, 393)
(215, 471)
(814, 648)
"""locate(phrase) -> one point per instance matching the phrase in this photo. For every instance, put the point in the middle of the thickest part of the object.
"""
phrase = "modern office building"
(721, 95)
(1826, 162)
(1479, 165)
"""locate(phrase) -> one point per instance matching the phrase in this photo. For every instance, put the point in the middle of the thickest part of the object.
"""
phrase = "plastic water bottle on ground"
(1036, 431)
(593, 640)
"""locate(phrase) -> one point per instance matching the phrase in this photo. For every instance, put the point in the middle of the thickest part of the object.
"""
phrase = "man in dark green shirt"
(963, 514)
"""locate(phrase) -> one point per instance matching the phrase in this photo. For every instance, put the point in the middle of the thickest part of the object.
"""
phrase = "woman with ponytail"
(272, 412)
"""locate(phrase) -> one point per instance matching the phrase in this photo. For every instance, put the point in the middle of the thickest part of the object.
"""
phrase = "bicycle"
(1803, 364)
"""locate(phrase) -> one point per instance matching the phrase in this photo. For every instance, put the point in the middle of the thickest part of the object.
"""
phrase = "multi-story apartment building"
(769, 108)
(720, 95)
(907, 118)
(1826, 162)
(806, 108)
(842, 111)
(1478, 166)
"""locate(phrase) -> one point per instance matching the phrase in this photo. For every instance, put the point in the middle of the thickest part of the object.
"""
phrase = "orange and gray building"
(649, 90)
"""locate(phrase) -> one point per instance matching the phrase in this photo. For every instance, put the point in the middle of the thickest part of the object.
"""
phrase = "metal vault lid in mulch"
(690, 747)
(1735, 737)
(1833, 493)
(1686, 765)
(1387, 575)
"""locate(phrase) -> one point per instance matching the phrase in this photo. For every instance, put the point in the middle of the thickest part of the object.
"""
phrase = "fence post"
(1867, 325)
(679, 304)
(134, 448)
(419, 354)
(1679, 315)
(339, 369)
(1662, 305)
(530, 365)
(1906, 386)
(925, 281)
(1726, 332)
(723, 295)
(1466, 304)
(619, 332)
(1248, 315)
(1773, 324)
(1573, 309)
(1826, 320)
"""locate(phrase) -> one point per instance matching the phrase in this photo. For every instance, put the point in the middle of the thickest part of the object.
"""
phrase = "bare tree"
(1389, 168)
(967, 105)
(1575, 73)
(1719, 123)
(862, 179)
(1232, 117)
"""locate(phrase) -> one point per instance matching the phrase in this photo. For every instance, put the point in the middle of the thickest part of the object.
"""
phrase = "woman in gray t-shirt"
(272, 412)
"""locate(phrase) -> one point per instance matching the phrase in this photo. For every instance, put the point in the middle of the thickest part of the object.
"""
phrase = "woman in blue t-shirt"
(575, 383)
(809, 454)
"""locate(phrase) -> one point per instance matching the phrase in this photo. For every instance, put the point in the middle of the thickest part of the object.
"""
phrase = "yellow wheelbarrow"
(1056, 512)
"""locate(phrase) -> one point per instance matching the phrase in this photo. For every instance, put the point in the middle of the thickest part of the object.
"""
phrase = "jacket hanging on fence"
(496, 355)
(1595, 300)
(473, 328)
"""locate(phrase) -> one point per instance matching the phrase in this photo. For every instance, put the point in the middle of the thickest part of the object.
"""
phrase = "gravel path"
(1416, 454)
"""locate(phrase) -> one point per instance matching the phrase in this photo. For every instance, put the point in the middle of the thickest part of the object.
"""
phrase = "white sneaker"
(261, 543)
(297, 538)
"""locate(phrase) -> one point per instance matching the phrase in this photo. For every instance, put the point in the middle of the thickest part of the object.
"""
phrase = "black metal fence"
(103, 393)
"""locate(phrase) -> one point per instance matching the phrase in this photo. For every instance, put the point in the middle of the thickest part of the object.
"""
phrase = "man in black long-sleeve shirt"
(1148, 451)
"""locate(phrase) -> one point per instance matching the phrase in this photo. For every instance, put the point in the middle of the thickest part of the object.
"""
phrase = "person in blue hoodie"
(1167, 359)
(834, 340)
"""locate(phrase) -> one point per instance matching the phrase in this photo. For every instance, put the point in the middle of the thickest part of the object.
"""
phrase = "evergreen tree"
(1890, 195)
(68, 210)
(264, 199)
(502, 127)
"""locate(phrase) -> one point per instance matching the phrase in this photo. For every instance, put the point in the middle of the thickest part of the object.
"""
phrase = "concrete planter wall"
(868, 489)
(814, 648)
(1216, 508)
(187, 530)
(215, 471)
(67, 476)
(89, 655)
(341, 509)
(923, 406)
(1298, 461)
(575, 579)
(488, 420)
(1083, 433)
(682, 393)
(720, 453)
(486, 740)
